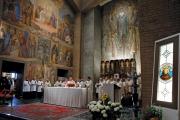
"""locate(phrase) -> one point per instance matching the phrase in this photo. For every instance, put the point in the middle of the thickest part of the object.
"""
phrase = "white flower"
(97, 110)
(120, 106)
(91, 106)
(103, 111)
(100, 106)
(100, 101)
(116, 108)
(93, 102)
(109, 102)
(118, 119)
(107, 107)
(113, 104)
(104, 115)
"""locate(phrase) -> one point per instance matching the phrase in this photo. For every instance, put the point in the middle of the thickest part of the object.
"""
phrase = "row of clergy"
(38, 85)
(126, 84)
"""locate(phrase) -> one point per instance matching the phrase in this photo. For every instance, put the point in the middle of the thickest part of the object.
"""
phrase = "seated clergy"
(70, 82)
(26, 89)
(82, 84)
(58, 83)
(47, 84)
(39, 88)
(33, 86)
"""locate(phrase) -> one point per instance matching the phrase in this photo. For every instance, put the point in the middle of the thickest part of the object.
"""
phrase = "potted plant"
(153, 113)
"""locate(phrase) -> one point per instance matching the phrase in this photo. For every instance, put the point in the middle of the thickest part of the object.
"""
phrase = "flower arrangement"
(153, 113)
(104, 98)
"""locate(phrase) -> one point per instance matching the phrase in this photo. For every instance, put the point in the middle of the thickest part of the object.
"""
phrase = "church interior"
(89, 59)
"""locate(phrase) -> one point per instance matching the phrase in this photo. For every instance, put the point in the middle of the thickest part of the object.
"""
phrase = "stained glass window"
(165, 75)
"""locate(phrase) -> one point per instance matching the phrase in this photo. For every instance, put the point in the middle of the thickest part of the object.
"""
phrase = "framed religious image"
(165, 77)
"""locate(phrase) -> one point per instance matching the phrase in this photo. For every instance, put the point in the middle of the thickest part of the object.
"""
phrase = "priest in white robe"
(26, 89)
(33, 88)
(89, 84)
(39, 88)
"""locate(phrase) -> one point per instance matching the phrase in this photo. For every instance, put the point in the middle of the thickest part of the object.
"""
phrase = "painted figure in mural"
(61, 56)
(43, 50)
(15, 43)
(24, 44)
(11, 10)
(27, 13)
(53, 20)
(5, 41)
(69, 58)
(67, 31)
(54, 54)
(32, 45)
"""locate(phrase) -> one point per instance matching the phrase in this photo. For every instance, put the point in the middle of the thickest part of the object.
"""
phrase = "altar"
(71, 97)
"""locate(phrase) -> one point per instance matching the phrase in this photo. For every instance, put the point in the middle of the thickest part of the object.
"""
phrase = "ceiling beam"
(73, 5)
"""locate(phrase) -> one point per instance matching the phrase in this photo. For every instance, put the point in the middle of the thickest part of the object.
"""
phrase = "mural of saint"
(27, 12)
(11, 10)
(23, 38)
(69, 58)
(32, 46)
(54, 54)
(43, 50)
(15, 43)
(5, 41)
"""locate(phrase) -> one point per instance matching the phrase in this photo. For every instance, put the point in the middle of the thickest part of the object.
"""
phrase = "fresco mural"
(54, 53)
(120, 31)
(43, 50)
(36, 29)
(50, 18)
(35, 71)
(5, 42)
(49, 73)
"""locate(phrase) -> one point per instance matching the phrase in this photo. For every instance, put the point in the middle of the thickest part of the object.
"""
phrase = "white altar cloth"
(72, 97)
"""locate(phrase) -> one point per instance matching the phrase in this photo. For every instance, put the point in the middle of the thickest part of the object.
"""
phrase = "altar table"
(72, 97)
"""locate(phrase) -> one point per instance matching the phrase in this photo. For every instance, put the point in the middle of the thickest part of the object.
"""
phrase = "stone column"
(91, 44)
(76, 48)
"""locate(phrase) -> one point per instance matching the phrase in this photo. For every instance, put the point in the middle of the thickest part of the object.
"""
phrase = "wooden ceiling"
(85, 5)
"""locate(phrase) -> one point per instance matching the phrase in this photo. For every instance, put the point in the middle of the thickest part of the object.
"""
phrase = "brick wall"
(158, 19)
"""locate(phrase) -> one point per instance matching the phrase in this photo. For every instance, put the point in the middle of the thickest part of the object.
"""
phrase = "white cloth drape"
(72, 97)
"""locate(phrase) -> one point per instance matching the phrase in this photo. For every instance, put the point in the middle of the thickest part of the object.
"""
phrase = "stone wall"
(158, 19)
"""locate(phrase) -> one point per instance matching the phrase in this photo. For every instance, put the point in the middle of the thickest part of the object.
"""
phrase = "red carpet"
(40, 111)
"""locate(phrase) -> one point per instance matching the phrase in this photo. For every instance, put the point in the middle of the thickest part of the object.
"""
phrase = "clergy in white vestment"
(58, 83)
(89, 85)
(39, 88)
(26, 89)
(33, 88)
(47, 83)
(82, 84)
(98, 87)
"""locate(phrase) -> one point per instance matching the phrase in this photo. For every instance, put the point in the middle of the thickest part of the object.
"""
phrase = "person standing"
(89, 84)
(39, 88)
(33, 88)
(26, 89)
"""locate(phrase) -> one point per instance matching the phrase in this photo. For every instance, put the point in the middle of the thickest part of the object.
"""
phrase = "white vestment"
(26, 86)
